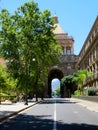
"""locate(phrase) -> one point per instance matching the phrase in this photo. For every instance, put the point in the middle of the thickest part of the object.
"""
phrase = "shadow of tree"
(59, 101)
(25, 121)
(30, 122)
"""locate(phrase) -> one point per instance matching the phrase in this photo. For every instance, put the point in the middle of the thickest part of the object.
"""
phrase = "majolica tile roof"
(58, 29)
(59, 32)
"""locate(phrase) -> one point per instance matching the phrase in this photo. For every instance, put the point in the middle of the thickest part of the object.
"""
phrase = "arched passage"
(54, 73)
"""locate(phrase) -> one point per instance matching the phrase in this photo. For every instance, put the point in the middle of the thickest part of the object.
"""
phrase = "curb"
(15, 113)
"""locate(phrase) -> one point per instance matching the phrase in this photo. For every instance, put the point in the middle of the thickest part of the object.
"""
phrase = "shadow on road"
(44, 122)
(58, 101)
(29, 122)
(73, 126)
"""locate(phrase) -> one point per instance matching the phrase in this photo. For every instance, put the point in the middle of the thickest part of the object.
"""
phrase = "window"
(68, 50)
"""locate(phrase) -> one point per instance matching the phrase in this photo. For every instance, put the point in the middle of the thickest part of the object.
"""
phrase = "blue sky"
(76, 17)
(55, 84)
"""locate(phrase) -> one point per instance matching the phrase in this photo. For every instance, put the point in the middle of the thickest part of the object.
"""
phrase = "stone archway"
(55, 73)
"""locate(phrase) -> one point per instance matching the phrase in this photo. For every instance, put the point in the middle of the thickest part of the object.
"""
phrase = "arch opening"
(55, 74)
(55, 84)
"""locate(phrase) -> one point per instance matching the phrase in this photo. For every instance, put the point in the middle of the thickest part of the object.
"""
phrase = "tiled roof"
(58, 29)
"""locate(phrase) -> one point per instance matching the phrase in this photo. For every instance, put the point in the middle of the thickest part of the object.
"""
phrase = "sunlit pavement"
(8, 109)
(92, 106)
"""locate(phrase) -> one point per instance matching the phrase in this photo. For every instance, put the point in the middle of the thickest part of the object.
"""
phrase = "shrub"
(92, 91)
(77, 93)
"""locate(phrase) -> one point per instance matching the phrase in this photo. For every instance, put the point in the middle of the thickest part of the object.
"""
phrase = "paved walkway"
(7, 109)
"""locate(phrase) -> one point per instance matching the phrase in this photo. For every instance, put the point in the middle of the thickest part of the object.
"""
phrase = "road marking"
(54, 124)
(76, 112)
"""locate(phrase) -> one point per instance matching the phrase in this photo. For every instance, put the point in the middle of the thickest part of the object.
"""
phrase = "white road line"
(54, 124)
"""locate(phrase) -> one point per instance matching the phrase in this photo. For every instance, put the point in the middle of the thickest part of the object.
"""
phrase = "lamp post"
(26, 98)
(27, 74)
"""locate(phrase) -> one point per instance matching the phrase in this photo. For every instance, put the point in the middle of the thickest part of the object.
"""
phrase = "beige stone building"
(70, 63)
(68, 60)
(88, 56)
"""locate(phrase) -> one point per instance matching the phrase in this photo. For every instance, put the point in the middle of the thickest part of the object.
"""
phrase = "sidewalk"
(8, 109)
(90, 105)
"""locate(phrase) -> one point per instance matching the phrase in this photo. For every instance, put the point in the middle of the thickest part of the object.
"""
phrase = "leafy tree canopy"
(27, 35)
(6, 82)
(67, 81)
(57, 91)
(71, 81)
(80, 76)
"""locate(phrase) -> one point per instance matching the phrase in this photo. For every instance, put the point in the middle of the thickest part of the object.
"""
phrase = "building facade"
(68, 60)
(88, 56)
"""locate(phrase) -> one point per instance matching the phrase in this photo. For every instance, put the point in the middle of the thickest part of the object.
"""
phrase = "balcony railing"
(68, 58)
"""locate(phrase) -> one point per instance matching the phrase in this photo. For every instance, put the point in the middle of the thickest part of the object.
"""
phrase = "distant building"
(68, 60)
(69, 63)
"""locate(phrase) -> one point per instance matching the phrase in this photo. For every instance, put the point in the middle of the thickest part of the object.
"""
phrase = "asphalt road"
(53, 114)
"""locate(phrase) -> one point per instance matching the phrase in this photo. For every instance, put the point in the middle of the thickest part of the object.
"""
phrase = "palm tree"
(80, 77)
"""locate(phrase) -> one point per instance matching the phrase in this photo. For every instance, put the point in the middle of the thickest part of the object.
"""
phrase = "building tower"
(67, 60)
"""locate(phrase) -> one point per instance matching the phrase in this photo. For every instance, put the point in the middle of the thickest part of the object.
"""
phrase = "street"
(53, 114)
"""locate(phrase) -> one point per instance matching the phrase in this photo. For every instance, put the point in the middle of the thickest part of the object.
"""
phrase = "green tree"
(68, 82)
(3, 78)
(57, 91)
(80, 76)
(7, 83)
(27, 35)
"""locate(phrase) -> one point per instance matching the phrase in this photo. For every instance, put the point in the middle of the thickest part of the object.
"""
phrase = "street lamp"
(27, 71)
(26, 100)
